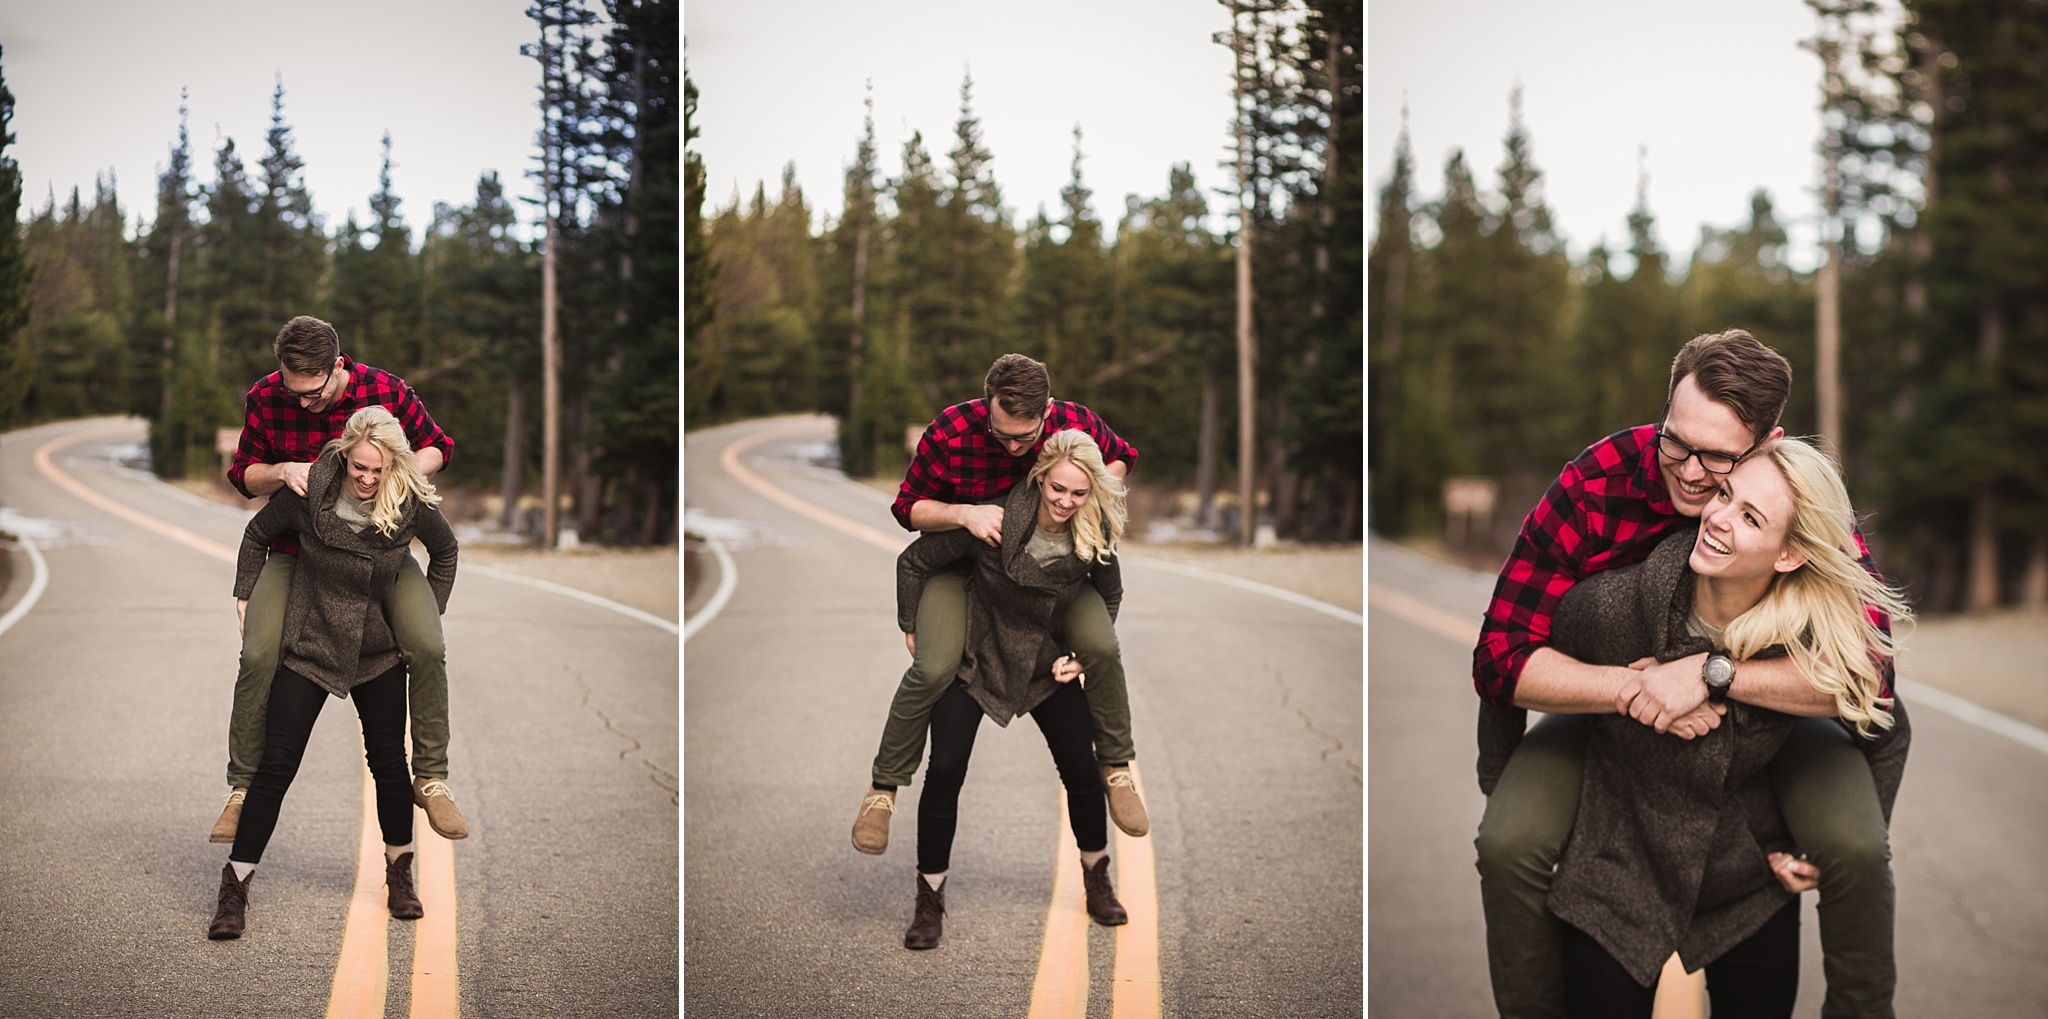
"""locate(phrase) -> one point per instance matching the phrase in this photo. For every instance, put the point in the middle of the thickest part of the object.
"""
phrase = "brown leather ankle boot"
(232, 914)
(405, 903)
(929, 923)
(1102, 904)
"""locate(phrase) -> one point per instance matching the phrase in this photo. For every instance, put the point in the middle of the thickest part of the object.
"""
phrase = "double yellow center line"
(1061, 987)
(362, 974)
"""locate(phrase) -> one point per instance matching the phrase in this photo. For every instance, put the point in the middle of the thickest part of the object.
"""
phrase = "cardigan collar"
(1020, 515)
(323, 485)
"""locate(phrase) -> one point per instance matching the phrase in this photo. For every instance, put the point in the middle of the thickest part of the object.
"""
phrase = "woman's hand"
(1699, 721)
(1795, 872)
(1068, 669)
(241, 613)
(1662, 693)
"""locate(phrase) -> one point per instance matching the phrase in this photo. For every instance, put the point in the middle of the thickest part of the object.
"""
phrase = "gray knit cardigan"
(1014, 605)
(1668, 852)
(335, 630)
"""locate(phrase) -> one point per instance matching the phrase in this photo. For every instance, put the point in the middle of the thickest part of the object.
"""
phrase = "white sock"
(934, 880)
(242, 870)
(1088, 859)
(392, 853)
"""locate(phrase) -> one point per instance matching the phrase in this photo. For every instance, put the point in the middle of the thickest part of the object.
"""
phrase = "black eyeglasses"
(1715, 463)
(1031, 436)
(311, 394)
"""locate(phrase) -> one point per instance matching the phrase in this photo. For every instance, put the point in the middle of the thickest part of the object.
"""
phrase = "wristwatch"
(1719, 674)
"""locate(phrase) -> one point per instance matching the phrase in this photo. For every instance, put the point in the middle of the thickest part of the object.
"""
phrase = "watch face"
(1720, 671)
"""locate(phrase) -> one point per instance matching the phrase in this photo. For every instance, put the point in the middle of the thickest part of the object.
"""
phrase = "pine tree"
(976, 227)
(1514, 388)
(80, 294)
(17, 365)
(164, 256)
(1391, 274)
(703, 365)
(1629, 331)
(849, 264)
(375, 299)
(1064, 302)
(294, 248)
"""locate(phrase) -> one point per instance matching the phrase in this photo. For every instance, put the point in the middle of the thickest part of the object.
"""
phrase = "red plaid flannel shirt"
(275, 429)
(957, 462)
(1607, 509)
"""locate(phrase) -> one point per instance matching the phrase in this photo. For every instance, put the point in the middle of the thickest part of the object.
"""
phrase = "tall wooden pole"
(1827, 303)
(550, 343)
(1247, 343)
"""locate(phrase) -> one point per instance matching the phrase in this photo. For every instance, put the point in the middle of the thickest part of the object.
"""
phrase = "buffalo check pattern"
(1607, 509)
(275, 429)
(957, 462)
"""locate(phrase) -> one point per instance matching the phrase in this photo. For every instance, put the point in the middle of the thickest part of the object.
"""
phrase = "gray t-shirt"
(1047, 546)
(1701, 628)
(352, 511)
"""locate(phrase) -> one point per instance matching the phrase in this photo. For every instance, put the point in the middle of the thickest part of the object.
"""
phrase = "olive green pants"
(941, 634)
(1829, 802)
(415, 622)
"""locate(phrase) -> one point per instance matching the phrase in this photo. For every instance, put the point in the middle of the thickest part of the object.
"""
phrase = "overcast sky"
(783, 82)
(1717, 90)
(96, 82)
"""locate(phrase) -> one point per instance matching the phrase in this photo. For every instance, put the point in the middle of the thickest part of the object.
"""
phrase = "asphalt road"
(114, 699)
(1248, 717)
(1967, 845)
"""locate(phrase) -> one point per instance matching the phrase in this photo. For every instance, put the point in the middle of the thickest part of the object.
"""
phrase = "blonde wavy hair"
(402, 479)
(1099, 524)
(1821, 612)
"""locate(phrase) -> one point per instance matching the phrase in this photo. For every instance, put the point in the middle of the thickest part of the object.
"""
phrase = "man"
(968, 457)
(289, 415)
(1607, 509)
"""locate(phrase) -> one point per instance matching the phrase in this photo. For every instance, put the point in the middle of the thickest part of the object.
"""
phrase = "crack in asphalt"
(662, 780)
(1356, 768)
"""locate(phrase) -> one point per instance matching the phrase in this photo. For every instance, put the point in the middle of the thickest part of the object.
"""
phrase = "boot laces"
(1120, 778)
(234, 797)
(885, 801)
(434, 787)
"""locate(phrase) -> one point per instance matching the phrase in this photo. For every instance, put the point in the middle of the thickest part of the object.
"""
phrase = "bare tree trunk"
(584, 485)
(515, 430)
(2034, 586)
(1205, 450)
(650, 520)
(1983, 581)
(550, 388)
(1828, 341)
(171, 320)
(1247, 343)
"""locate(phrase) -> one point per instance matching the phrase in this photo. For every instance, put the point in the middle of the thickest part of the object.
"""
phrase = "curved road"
(114, 696)
(1967, 845)
(1248, 714)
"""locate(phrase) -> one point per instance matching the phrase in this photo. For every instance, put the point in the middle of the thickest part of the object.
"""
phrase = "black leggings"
(1069, 734)
(1758, 978)
(295, 703)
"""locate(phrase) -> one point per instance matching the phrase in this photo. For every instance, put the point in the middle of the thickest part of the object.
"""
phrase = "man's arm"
(431, 460)
(984, 521)
(264, 478)
(1663, 693)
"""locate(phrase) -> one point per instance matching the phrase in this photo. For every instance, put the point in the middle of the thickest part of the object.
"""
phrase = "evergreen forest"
(894, 309)
(168, 313)
(1493, 354)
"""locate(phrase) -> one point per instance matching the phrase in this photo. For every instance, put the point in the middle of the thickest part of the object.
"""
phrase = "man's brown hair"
(1734, 369)
(307, 346)
(1020, 385)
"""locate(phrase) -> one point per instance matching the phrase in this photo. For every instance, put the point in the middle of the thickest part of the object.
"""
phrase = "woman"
(365, 502)
(1679, 844)
(1060, 530)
